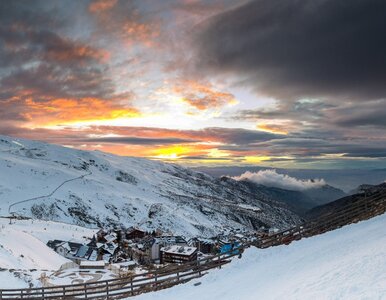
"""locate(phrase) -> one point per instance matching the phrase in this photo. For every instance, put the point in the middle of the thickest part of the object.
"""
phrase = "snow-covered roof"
(180, 250)
(110, 247)
(125, 263)
(55, 243)
(82, 251)
(67, 246)
(227, 240)
(132, 229)
(106, 257)
(110, 237)
(74, 247)
(170, 239)
(86, 263)
(201, 240)
(93, 256)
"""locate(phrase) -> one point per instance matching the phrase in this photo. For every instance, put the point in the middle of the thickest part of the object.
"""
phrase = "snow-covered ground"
(348, 263)
(75, 276)
(24, 255)
(48, 230)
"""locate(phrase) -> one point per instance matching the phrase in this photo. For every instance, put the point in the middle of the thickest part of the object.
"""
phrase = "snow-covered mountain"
(299, 202)
(91, 189)
(346, 202)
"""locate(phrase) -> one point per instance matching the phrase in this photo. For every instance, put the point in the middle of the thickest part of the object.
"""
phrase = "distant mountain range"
(344, 179)
(299, 201)
(362, 191)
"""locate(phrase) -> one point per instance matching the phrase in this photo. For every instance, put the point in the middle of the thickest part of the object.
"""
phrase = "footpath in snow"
(348, 263)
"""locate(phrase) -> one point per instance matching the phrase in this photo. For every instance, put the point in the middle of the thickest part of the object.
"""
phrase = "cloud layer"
(271, 178)
(283, 84)
(295, 49)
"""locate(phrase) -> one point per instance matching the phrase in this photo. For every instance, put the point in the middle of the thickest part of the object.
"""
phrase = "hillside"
(92, 189)
(298, 201)
(346, 202)
(348, 263)
(24, 255)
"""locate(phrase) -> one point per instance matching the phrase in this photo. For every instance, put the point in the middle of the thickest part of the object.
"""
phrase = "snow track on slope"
(48, 195)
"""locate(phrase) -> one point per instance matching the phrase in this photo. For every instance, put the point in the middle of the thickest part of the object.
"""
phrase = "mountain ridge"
(103, 189)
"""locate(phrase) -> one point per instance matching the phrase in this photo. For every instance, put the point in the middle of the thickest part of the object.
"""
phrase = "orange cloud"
(273, 128)
(140, 32)
(123, 20)
(203, 96)
(68, 51)
(179, 151)
(132, 150)
(67, 111)
(172, 152)
(101, 5)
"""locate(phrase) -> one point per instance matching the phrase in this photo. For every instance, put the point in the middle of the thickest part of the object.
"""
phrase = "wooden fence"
(360, 209)
(124, 287)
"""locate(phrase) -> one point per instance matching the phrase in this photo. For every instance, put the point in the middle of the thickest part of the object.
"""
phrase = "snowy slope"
(348, 263)
(23, 251)
(94, 189)
(20, 250)
(47, 230)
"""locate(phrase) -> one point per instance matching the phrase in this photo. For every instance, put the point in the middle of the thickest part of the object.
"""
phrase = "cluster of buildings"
(105, 250)
(144, 248)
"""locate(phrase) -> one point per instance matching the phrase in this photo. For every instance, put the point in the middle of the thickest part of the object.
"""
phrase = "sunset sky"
(296, 84)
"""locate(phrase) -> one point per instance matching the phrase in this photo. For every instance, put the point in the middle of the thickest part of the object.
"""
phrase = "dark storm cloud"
(138, 141)
(237, 135)
(203, 158)
(293, 49)
(296, 110)
(34, 44)
(150, 135)
(315, 147)
(48, 80)
(370, 114)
